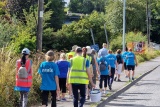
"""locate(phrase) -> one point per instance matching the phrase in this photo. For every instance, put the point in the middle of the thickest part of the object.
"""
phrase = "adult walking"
(63, 66)
(124, 54)
(120, 64)
(79, 76)
(113, 63)
(23, 83)
(103, 52)
(104, 73)
(70, 55)
(131, 63)
(49, 72)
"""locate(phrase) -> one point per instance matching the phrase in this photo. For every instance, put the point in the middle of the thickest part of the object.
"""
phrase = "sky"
(67, 1)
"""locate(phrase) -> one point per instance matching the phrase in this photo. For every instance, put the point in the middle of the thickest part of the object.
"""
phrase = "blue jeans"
(75, 88)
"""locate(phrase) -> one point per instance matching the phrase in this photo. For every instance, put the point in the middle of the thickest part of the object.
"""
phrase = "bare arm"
(136, 60)
(90, 77)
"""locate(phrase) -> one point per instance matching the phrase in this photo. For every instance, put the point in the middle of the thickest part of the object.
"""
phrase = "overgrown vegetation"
(9, 97)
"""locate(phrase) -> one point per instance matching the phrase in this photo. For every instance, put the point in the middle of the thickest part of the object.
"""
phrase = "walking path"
(117, 87)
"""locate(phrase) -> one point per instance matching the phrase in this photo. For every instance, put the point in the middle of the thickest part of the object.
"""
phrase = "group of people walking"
(76, 71)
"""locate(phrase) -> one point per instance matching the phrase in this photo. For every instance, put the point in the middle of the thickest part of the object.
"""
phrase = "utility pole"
(40, 25)
(124, 23)
(92, 36)
(106, 36)
(148, 17)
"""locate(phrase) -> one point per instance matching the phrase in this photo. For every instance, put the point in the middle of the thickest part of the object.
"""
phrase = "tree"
(87, 6)
(79, 32)
(135, 16)
(155, 21)
(58, 15)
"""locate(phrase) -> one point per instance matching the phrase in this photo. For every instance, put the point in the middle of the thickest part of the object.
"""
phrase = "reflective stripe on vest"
(78, 72)
(27, 82)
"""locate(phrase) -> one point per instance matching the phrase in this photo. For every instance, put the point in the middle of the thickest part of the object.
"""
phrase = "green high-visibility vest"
(78, 72)
(70, 55)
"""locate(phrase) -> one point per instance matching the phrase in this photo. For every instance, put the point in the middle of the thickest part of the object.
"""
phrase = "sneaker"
(58, 99)
(87, 97)
(133, 78)
(119, 80)
(63, 99)
(104, 92)
(115, 78)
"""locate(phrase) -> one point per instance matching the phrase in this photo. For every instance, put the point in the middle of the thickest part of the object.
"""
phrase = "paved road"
(145, 93)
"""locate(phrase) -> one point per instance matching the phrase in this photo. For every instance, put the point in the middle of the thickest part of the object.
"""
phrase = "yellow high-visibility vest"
(78, 72)
(70, 55)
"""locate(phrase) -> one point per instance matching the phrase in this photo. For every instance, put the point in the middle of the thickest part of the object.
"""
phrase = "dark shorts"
(125, 66)
(130, 67)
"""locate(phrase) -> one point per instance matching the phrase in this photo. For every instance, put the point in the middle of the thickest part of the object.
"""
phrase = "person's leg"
(105, 83)
(129, 69)
(21, 98)
(112, 76)
(100, 83)
(60, 86)
(45, 97)
(75, 94)
(53, 94)
(70, 91)
(82, 93)
(25, 99)
(63, 88)
(125, 70)
(133, 69)
(119, 71)
(94, 76)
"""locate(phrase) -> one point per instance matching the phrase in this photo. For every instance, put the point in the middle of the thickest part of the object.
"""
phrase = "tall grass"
(9, 97)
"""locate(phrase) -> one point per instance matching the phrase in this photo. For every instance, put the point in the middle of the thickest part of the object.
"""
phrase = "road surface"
(145, 93)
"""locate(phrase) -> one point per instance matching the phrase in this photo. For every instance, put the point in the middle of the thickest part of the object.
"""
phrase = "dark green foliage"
(58, 15)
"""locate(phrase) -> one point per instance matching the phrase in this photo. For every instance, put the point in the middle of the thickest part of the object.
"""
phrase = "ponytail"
(23, 60)
(84, 52)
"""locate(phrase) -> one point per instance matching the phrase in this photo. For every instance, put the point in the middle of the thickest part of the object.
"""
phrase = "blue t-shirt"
(48, 71)
(112, 59)
(102, 52)
(63, 68)
(130, 58)
(106, 71)
(124, 56)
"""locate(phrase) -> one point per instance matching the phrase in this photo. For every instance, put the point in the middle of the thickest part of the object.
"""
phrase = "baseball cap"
(26, 51)
(89, 50)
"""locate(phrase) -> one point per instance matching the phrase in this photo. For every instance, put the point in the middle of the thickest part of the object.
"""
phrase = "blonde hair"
(118, 51)
(63, 56)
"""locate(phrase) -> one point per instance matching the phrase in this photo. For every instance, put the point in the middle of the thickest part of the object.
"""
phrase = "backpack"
(102, 65)
(119, 59)
(22, 72)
